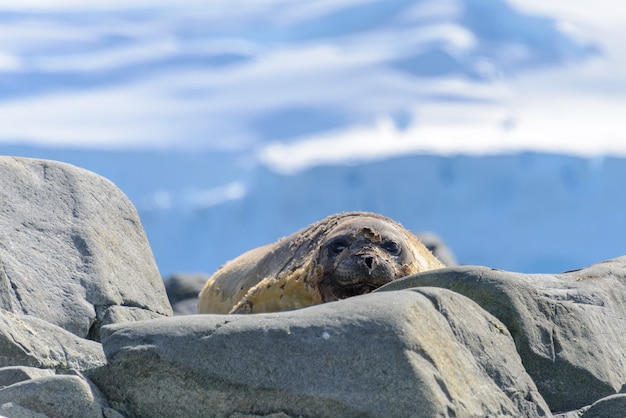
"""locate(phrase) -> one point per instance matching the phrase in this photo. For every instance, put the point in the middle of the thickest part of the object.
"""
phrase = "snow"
(496, 124)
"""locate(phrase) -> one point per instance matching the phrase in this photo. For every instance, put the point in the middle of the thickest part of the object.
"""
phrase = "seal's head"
(360, 255)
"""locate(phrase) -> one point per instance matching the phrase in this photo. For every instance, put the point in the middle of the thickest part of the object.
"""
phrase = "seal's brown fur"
(340, 256)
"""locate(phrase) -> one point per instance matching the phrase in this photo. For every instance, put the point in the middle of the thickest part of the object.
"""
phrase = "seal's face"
(359, 256)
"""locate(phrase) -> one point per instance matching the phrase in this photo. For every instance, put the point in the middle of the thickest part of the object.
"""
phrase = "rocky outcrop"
(15, 374)
(84, 329)
(33, 342)
(73, 257)
(72, 249)
(60, 396)
(428, 352)
(611, 406)
(569, 329)
(421, 351)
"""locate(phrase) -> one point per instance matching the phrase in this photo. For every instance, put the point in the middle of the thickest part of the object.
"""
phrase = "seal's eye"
(391, 247)
(337, 246)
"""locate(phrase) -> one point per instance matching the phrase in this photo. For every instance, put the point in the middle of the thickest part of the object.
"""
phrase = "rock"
(182, 291)
(571, 414)
(186, 307)
(428, 352)
(569, 328)
(613, 406)
(71, 247)
(115, 314)
(33, 342)
(56, 396)
(181, 286)
(10, 410)
(111, 413)
(13, 374)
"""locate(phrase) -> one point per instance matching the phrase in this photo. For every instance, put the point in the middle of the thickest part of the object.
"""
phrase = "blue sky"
(282, 77)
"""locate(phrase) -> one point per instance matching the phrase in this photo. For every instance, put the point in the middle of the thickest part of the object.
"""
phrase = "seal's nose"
(368, 262)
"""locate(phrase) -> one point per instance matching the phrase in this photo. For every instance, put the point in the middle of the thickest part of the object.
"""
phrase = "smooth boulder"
(11, 410)
(32, 342)
(15, 374)
(613, 406)
(569, 328)
(56, 396)
(428, 352)
(72, 249)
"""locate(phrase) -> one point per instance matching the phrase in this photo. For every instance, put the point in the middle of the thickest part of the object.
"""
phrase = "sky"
(285, 79)
(218, 118)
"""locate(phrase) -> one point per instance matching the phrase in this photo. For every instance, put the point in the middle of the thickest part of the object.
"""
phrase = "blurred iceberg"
(497, 124)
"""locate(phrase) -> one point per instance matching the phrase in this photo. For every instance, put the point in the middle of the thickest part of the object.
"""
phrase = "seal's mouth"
(363, 289)
(363, 271)
(337, 292)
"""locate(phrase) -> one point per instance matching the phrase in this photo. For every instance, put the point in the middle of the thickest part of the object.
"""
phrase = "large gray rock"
(429, 352)
(32, 342)
(613, 406)
(14, 374)
(569, 328)
(72, 248)
(56, 396)
(11, 410)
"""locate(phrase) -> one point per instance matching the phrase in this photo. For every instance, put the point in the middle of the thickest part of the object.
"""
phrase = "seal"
(343, 255)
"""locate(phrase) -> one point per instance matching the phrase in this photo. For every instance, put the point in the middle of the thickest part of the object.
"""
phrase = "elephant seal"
(343, 255)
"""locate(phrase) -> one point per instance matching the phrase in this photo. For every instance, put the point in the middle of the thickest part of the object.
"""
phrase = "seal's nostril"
(369, 261)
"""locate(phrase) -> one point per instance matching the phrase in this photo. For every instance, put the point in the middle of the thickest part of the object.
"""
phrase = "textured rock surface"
(14, 374)
(609, 407)
(71, 246)
(30, 341)
(56, 396)
(429, 352)
(462, 341)
(569, 328)
(11, 410)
